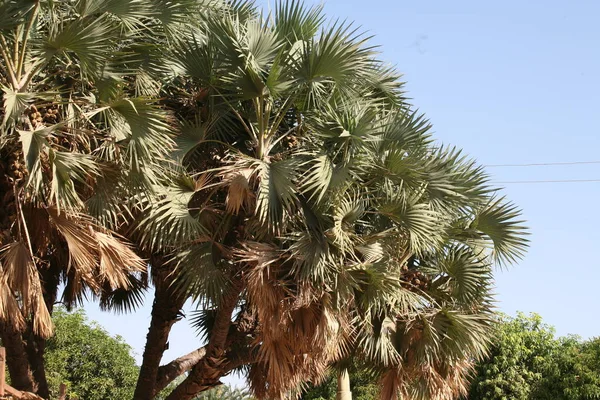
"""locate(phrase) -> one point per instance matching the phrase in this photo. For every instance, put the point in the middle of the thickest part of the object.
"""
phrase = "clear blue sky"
(509, 82)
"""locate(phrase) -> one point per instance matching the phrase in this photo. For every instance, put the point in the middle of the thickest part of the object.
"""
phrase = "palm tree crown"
(314, 196)
(271, 163)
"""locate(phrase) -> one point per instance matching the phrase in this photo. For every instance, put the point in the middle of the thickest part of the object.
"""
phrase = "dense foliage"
(269, 170)
(93, 364)
(527, 362)
(523, 349)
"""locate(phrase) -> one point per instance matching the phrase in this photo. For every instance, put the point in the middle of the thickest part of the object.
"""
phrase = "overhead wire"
(548, 181)
(542, 164)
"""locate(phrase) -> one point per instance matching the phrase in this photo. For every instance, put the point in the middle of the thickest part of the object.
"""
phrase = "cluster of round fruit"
(291, 141)
(415, 279)
(16, 166)
(44, 114)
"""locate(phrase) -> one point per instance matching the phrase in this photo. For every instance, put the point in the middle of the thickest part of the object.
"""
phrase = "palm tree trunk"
(207, 373)
(21, 375)
(35, 349)
(36, 345)
(165, 312)
(343, 392)
(16, 358)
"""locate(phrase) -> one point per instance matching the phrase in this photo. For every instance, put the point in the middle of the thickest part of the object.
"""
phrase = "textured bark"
(35, 348)
(20, 372)
(36, 345)
(169, 372)
(207, 373)
(165, 312)
(244, 326)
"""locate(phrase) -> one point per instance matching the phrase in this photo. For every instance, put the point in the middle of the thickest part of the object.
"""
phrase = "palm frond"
(117, 261)
(295, 21)
(69, 168)
(200, 273)
(14, 13)
(499, 221)
(90, 41)
(329, 62)
(167, 220)
(125, 299)
(275, 194)
(20, 275)
(148, 138)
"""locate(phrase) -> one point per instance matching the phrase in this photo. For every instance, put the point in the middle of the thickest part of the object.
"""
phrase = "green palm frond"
(500, 222)
(15, 104)
(275, 195)
(14, 13)
(423, 225)
(294, 21)
(453, 177)
(463, 274)
(317, 178)
(200, 273)
(69, 169)
(167, 219)
(90, 41)
(327, 63)
(147, 135)
(133, 14)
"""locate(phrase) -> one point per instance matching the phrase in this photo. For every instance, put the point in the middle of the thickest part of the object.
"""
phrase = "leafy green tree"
(93, 365)
(527, 362)
(524, 348)
(574, 373)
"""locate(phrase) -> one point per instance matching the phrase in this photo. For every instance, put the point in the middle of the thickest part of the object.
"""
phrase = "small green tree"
(93, 364)
(523, 349)
(574, 373)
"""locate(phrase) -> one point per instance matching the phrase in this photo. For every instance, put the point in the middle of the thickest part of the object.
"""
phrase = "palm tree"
(312, 217)
(80, 134)
(268, 169)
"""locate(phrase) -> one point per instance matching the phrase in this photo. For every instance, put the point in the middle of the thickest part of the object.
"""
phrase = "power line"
(541, 164)
(550, 181)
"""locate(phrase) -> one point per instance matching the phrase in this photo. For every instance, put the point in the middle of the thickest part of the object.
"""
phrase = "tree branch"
(214, 365)
(169, 372)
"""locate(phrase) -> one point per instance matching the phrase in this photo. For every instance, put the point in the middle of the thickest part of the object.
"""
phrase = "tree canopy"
(93, 364)
(527, 362)
(267, 168)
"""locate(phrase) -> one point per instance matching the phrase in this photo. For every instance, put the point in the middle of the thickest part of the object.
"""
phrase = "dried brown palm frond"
(78, 233)
(299, 336)
(19, 273)
(9, 306)
(117, 261)
(95, 253)
(240, 196)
